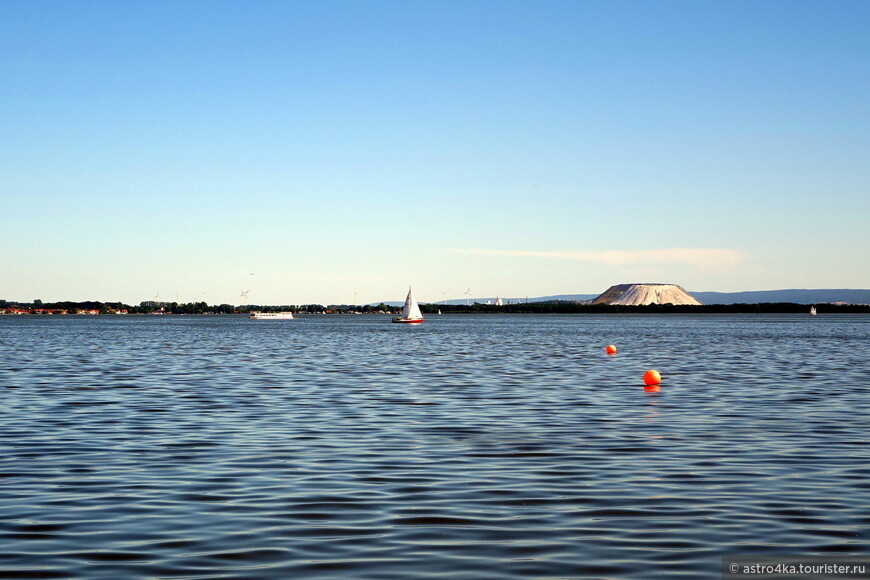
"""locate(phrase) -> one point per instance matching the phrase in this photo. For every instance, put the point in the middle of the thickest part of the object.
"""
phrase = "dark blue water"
(469, 447)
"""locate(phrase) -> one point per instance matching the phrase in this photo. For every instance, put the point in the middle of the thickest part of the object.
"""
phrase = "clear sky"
(321, 151)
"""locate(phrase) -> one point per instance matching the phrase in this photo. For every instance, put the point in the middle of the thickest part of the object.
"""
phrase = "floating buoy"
(611, 349)
(652, 377)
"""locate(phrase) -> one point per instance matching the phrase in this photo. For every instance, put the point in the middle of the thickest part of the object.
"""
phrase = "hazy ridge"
(797, 296)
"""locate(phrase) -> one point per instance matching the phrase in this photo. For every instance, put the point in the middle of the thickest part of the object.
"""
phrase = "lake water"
(469, 447)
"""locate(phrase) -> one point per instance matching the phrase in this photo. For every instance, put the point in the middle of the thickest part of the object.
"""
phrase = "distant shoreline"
(554, 307)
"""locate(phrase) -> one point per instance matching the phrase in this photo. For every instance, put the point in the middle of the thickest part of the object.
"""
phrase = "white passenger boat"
(411, 311)
(271, 316)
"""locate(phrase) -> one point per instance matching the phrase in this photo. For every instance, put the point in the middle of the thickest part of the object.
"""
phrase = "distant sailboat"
(812, 310)
(411, 312)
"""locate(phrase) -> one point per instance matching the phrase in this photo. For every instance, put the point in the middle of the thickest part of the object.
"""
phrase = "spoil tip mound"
(641, 294)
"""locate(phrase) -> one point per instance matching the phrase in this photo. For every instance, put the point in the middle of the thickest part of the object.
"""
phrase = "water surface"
(469, 447)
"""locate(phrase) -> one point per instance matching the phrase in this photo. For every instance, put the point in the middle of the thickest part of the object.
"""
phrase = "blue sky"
(317, 151)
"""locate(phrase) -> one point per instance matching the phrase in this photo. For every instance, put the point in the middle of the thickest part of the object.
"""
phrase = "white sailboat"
(812, 310)
(411, 311)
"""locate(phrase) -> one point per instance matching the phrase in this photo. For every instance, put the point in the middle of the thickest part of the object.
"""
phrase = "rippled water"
(468, 447)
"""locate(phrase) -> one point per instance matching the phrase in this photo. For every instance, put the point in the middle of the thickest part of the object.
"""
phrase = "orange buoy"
(652, 377)
(611, 349)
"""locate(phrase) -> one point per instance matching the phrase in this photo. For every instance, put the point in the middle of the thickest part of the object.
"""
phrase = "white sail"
(411, 310)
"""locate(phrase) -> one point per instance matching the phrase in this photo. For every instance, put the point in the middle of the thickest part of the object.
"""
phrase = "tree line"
(159, 307)
(571, 307)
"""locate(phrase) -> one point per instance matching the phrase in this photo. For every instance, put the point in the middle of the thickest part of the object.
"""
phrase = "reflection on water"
(467, 447)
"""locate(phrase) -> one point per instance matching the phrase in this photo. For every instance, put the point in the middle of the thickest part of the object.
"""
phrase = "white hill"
(640, 294)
